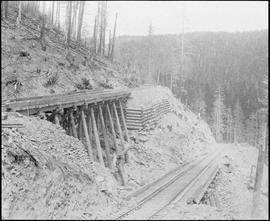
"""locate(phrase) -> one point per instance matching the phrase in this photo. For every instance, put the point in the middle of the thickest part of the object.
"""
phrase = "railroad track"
(186, 184)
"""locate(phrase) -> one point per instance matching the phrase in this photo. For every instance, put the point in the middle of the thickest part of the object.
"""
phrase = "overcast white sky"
(166, 17)
(134, 17)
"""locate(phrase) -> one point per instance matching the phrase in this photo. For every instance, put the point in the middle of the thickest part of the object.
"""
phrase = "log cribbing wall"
(146, 118)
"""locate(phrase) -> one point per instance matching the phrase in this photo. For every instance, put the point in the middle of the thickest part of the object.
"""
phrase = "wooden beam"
(118, 126)
(124, 121)
(107, 147)
(96, 137)
(89, 147)
(80, 126)
(112, 128)
(90, 127)
(74, 131)
(120, 160)
(56, 119)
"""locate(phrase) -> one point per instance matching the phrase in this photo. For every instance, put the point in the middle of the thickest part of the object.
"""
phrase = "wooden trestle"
(89, 124)
(95, 122)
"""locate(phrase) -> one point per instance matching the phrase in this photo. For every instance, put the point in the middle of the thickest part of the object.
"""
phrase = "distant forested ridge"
(234, 64)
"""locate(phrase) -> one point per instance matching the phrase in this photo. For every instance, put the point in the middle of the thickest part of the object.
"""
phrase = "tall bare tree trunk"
(113, 41)
(57, 16)
(95, 35)
(81, 12)
(69, 11)
(101, 28)
(19, 14)
(74, 19)
(104, 26)
(109, 45)
(98, 27)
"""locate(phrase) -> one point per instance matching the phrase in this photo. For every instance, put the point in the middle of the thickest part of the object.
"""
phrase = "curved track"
(173, 187)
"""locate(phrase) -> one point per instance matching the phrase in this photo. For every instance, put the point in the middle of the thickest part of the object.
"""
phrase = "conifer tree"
(228, 124)
(218, 115)
(252, 129)
(149, 65)
(198, 106)
(238, 122)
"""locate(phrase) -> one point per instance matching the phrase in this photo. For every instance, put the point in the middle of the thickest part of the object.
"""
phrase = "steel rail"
(172, 173)
(168, 183)
(186, 188)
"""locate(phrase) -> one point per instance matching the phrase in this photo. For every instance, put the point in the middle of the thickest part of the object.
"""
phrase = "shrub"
(52, 80)
(85, 84)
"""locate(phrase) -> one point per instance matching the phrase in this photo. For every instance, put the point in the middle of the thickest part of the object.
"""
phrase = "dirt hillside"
(27, 70)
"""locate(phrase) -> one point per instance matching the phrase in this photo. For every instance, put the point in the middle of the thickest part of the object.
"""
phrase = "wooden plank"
(136, 125)
(129, 110)
(134, 121)
(107, 148)
(134, 114)
(134, 118)
(97, 141)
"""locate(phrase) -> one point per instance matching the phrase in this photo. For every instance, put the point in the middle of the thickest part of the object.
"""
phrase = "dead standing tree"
(97, 28)
(80, 20)
(57, 16)
(74, 19)
(18, 21)
(95, 36)
(113, 40)
(100, 50)
(68, 19)
(52, 15)
(104, 27)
